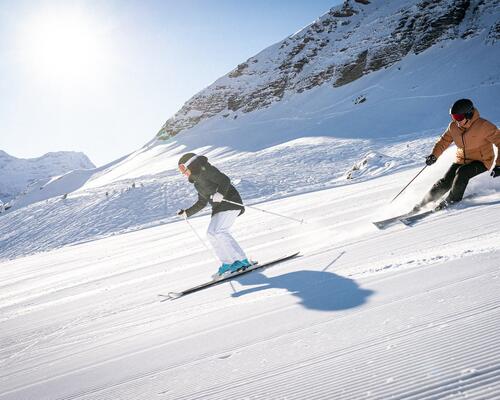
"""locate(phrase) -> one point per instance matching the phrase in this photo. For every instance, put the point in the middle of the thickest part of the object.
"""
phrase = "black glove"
(495, 171)
(182, 213)
(429, 160)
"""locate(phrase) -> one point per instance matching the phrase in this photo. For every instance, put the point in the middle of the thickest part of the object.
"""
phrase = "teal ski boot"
(240, 265)
(224, 268)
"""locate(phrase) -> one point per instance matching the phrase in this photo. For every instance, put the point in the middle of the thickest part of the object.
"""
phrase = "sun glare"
(68, 46)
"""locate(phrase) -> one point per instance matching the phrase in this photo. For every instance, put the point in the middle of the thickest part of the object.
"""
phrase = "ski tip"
(293, 255)
(381, 225)
(170, 296)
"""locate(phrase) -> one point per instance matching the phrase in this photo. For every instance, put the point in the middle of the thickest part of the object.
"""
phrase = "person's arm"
(493, 136)
(223, 182)
(442, 144)
(197, 207)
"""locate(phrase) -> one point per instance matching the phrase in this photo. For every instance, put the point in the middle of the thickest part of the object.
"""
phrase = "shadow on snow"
(317, 290)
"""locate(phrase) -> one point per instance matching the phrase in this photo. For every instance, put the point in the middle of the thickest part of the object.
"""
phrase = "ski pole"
(268, 212)
(415, 177)
(200, 238)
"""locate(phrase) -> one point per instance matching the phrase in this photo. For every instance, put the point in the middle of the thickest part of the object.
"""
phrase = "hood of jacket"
(196, 166)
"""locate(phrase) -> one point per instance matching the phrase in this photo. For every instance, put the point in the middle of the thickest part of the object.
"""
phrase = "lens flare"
(64, 45)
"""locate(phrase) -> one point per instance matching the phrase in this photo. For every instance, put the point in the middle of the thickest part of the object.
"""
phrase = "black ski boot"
(443, 204)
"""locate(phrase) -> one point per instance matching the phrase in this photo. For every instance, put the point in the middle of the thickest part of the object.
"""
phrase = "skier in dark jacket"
(474, 137)
(214, 187)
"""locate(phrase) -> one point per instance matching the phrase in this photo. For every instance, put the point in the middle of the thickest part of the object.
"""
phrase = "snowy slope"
(407, 313)
(308, 140)
(108, 204)
(20, 176)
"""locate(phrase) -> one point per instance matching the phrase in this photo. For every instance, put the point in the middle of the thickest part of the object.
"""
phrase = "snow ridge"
(20, 176)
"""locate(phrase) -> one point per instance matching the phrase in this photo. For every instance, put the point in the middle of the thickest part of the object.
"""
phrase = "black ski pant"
(455, 180)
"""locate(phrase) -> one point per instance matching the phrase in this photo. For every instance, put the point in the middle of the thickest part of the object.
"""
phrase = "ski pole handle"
(265, 211)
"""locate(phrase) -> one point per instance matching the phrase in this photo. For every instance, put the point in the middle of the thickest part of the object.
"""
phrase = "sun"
(67, 45)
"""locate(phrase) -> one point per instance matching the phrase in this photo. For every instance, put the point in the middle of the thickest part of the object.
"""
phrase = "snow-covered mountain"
(326, 127)
(20, 176)
(349, 42)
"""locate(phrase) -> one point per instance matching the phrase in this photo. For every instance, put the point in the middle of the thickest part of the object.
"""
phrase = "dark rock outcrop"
(343, 45)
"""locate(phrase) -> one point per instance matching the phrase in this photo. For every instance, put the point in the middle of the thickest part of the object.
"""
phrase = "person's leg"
(440, 187)
(226, 239)
(219, 247)
(226, 247)
(463, 175)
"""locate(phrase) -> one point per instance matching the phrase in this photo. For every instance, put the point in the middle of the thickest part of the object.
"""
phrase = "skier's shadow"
(317, 290)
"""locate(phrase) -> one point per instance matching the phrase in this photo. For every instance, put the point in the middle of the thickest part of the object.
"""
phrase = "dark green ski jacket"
(207, 181)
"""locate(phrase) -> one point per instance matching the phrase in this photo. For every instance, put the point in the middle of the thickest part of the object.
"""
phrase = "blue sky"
(121, 68)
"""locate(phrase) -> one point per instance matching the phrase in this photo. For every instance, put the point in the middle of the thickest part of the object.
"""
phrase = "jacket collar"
(470, 122)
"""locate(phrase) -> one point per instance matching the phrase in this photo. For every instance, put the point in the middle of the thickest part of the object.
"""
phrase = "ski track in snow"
(404, 313)
(408, 313)
(305, 165)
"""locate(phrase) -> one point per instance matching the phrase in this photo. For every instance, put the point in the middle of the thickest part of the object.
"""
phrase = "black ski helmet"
(463, 106)
(185, 158)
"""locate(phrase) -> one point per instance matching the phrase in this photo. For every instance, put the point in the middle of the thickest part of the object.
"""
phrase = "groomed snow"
(407, 313)
(404, 313)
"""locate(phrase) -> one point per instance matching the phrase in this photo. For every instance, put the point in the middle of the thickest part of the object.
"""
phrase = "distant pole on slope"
(415, 177)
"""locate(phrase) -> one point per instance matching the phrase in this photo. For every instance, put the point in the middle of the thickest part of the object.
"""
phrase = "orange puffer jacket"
(474, 141)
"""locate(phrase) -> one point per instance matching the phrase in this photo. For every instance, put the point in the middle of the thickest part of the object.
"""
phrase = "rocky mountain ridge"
(346, 43)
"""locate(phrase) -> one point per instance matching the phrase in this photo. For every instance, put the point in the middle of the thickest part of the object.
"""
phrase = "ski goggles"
(184, 167)
(458, 117)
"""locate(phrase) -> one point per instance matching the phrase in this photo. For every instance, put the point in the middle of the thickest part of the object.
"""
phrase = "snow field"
(406, 312)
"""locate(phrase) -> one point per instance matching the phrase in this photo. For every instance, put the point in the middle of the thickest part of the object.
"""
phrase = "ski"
(392, 221)
(226, 278)
(412, 219)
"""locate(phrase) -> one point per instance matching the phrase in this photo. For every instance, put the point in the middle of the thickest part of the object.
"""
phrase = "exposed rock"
(350, 72)
(494, 33)
(346, 11)
(317, 79)
(360, 99)
(238, 71)
(341, 46)
(371, 163)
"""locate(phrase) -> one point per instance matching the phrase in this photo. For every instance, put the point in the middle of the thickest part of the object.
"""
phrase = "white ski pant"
(225, 246)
